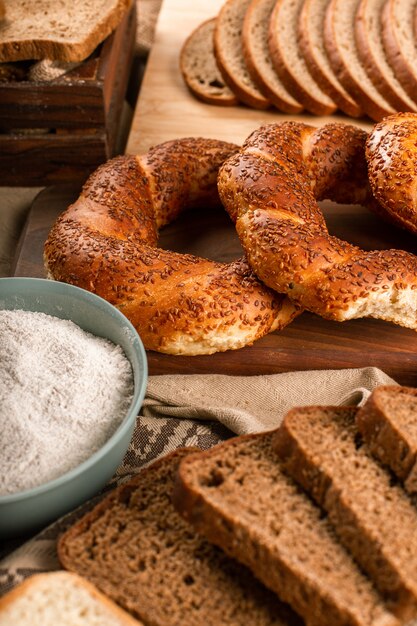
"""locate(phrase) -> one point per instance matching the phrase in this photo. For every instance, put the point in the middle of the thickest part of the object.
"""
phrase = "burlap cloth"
(198, 410)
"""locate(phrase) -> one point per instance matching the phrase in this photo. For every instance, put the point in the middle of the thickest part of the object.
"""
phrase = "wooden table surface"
(166, 110)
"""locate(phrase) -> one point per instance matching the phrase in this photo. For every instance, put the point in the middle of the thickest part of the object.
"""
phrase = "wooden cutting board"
(166, 110)
(308, 343)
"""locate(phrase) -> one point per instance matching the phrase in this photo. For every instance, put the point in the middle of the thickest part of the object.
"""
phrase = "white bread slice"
(288, 61)
(60, 599)
(398, 35)
(340, 42)
(229, 54)
(372, 55)
(199, 68)
(258, 59)
(310, 32)
(60, 30)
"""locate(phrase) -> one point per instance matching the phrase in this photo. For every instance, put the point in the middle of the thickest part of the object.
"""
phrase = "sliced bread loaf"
(237, 495)
(288, 61)
(340, 42)
(372, 55)
(388, 423)
(60, 31)
(229, 54)
(139, 551)
(60, 599)
(258, 59)
(310, 32)
(399, 41)
(199, 68)
(322, 450)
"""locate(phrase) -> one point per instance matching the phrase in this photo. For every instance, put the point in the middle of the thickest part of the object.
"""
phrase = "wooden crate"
(61, 130)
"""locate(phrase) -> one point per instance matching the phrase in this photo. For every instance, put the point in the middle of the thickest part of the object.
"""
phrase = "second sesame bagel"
(271, 188)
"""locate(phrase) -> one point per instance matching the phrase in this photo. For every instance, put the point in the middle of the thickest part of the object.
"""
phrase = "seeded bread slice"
(229, 55)
(258, 59)
(310, 32)
(237, 495)
(388, 423)
(288, 61)
(60, 30)
(60, 599)
(199, 68)
(138, 550)
(372, 55)
(340, 42)
(322, 450)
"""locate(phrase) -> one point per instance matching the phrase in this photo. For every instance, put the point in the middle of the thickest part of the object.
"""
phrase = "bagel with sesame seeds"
(106, 242)
(271, 189)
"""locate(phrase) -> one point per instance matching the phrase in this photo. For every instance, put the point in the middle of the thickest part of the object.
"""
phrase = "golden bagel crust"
(271, 187)
(392, 167)
(106, 242)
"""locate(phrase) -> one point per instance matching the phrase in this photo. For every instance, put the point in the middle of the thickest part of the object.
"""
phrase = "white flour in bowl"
(63, 393)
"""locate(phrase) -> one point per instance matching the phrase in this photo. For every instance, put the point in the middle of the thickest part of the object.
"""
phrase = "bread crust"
(376, 110)
(74, 581)
(282, 229)
(44, 46)
(242, 85)
(313, 103)
(329, 85)
(106, 242)
(403, 65)
(211, 90)
(280, 98)
(385, 84)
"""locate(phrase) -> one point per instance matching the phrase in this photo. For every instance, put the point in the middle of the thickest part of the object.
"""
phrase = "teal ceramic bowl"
(28, 511)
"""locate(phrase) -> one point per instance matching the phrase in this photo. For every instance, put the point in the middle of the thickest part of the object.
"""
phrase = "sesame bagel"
(270, 189)
(106, 242)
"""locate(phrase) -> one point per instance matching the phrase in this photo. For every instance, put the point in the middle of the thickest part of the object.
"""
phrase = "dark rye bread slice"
(388, 424)
(322, 450)
(372, 55)
(257, 57)
(310, 32)
(237, 495)
(398, 35)
(199, 68)
(228, 52)
(340, 43)
(288, 61)
(139, 551)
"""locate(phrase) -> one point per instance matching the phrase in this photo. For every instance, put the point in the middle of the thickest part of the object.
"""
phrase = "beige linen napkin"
(246, 404)
(198, 410)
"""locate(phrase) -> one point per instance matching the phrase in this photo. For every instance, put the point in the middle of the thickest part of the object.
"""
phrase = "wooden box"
(60, 130)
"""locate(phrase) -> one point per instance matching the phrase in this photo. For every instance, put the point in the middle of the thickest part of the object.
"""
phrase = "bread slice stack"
(316, 56)
(303, 524)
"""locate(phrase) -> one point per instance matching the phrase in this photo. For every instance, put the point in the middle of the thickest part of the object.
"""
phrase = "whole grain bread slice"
(229, 55)
(140, 552)
(400, 43)
(199, 68)
(388, 424)
(289, 62)
(60, 599)
(237, 495)
(372, 55)
(257, 57)
(310, 32)
(340, 42)
(375, 520)
(60, 31)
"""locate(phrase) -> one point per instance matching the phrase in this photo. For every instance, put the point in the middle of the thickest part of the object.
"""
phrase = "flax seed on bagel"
(271, 188)
(106, 242)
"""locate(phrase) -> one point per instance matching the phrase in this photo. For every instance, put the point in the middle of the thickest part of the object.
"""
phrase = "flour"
(63, 393)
